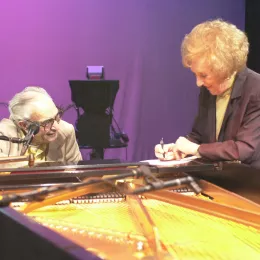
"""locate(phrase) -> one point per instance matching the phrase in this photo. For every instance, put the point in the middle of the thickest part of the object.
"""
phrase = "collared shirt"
(221, 105)
(39, 152)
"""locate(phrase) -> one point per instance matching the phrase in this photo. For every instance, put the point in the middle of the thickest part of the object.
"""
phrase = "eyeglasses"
(47, 124)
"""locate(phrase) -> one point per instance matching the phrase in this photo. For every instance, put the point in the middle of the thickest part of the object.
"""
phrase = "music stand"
(96, 98)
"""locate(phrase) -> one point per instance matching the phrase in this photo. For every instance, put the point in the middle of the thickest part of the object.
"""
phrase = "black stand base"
(97, 154)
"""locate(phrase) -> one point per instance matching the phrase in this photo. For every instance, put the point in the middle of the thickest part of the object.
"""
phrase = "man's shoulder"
(8, 127)
(7, 122)
(66, 129)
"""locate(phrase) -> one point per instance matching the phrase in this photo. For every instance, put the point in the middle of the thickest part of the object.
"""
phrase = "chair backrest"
(96, 99)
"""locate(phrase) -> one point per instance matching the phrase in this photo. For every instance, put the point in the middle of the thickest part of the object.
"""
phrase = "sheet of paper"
(157, 162)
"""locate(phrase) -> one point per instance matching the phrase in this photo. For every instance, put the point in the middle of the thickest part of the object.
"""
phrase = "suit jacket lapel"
(235, 95)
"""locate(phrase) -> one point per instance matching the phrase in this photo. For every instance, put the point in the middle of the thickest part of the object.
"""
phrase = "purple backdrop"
(48, 42)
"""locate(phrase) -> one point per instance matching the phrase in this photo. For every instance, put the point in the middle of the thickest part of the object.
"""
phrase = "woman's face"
(206, 77)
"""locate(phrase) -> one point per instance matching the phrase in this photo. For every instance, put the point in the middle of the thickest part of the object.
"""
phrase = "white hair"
(21, 105)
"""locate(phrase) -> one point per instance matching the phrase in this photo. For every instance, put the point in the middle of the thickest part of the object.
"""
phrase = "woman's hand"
(168, 152)
(186, 146)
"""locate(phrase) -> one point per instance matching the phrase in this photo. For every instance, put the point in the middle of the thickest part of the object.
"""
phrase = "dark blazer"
(239, 137)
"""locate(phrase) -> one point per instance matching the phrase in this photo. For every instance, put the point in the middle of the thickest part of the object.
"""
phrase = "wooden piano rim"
(238, 209)
(245, 212)
(230, 198)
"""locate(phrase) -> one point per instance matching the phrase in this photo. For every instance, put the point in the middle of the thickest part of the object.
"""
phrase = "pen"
(162, 144)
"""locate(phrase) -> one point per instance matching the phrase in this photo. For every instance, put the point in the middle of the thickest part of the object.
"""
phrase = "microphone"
(33, 129)
(11, 139)
(166, 184)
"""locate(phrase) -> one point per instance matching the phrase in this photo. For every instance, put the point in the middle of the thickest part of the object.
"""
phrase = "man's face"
(45, 113)
(207, 78)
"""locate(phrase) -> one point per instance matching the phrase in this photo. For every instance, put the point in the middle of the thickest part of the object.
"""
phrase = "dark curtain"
(252, 28)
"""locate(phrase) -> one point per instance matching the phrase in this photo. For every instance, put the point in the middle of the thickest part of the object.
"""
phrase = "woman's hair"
(21, 106)
(220, 44)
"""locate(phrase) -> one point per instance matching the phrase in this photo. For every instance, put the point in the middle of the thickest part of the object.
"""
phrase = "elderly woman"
(55, 140)
(227, 126)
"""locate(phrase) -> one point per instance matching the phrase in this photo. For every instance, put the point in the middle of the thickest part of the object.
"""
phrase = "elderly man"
(227, 126)
(55, 140)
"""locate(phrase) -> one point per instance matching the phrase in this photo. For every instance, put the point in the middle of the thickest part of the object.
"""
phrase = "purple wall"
(48, 42)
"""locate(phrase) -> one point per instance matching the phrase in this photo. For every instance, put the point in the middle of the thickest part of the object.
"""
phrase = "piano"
(106, 220)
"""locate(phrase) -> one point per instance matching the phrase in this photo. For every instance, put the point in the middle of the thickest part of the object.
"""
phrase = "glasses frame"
(48, 123)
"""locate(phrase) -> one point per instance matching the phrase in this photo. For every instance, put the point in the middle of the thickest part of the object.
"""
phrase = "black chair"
(93, 127)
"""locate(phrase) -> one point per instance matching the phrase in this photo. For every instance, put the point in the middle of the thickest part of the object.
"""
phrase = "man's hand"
(168, 152)
(186, 146)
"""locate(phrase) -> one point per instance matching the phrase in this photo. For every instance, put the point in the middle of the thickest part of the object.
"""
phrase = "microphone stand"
(20, 158)
(42, 193)
(158, 185)
(12, 139)
(33, 129)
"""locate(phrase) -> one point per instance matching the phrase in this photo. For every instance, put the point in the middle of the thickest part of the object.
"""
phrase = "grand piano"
(119, 210)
